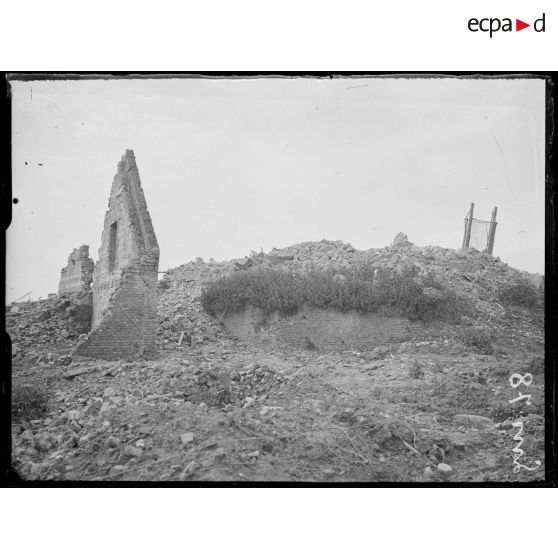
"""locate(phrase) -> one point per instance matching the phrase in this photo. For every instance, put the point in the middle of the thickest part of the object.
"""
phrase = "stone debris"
(428, 472)
(475, 276)
(187, 438)
(45, 323)
(182, 322)
(72, 373)
(211, 407)
(190, 470)
(473, 421)
(131, 451)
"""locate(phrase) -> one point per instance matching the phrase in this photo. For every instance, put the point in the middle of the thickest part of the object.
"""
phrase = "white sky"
(228, 166)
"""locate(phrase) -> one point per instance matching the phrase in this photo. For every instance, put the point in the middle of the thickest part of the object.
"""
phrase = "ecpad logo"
(492, 25)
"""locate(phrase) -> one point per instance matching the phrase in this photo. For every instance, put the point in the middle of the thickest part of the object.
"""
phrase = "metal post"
(492, 231)
(468, 227)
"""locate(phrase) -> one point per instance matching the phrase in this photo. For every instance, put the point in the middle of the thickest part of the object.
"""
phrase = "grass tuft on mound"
(356, 288)
(520, 293)
(28, 403)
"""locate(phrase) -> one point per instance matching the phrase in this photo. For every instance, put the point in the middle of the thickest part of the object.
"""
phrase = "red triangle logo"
(519, 25)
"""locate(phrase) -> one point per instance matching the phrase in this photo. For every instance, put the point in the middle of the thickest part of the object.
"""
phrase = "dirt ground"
(224, 410)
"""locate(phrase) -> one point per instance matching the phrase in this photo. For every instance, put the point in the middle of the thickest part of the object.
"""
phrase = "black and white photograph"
(277, 278)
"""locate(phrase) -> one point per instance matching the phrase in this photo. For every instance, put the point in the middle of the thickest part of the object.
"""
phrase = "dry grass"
(363, 289)
(28, 403)
(477, 340)
(521, 293)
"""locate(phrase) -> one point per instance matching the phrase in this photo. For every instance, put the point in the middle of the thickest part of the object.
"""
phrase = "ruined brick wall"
(323, 329)
(81, 311)
(76, 277)
(75, 289)
(125, 276)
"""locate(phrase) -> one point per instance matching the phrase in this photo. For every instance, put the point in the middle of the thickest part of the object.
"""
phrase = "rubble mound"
(433, 408)
(34, 325)
(189, 278)
(325, 253)
(478, 277)
(182, 321)
(401, 240)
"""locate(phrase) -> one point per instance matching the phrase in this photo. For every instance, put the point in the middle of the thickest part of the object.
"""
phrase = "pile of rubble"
(253, 382)
(35, 325)
(474, 275)
(182, 321)
(323, 254)
(98, 415)
(220, 412)
(189, 278)
(224, 409)
(477, 276)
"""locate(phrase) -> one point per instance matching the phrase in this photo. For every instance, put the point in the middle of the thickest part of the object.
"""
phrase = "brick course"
(76, 277)
(319, 328)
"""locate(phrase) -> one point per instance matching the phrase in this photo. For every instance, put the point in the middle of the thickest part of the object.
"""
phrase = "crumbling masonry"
(125, 276)
(76, 277)
(75, 288)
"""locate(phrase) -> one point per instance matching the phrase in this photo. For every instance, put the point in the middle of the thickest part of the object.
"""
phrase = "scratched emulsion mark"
(515, 381)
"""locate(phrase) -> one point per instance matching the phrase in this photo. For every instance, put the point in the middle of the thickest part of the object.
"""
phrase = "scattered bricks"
(45, 322)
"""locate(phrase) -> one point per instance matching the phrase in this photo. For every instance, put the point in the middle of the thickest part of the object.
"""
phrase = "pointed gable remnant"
(125, 276)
